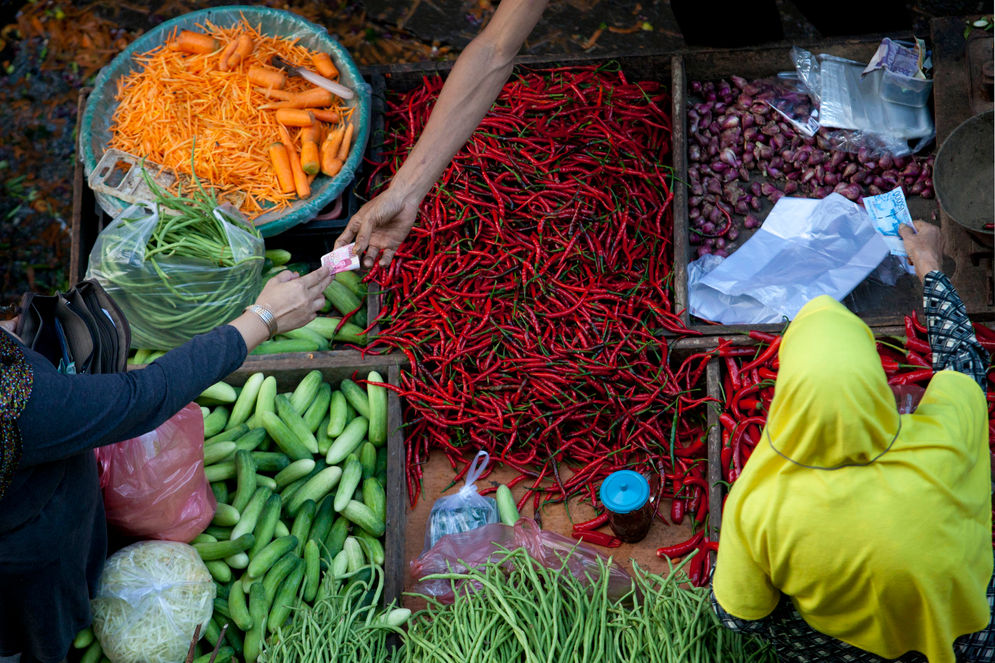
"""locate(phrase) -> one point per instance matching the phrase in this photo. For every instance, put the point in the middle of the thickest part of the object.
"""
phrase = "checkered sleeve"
(951, 335)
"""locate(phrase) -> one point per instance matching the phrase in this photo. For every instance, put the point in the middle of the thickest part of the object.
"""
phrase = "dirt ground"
(49, 49)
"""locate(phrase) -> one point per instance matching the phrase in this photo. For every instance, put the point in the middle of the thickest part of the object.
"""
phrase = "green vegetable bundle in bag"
(178, 267)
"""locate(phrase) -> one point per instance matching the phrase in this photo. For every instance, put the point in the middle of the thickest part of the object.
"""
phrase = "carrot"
(295, 117)
(300, 178)
(281, 165)
(189, 41)
(243, 50)
(265, 77)
(223, 58)
(344, 147)
(329, 115)
(314, 98)
(324, 65)
(282, 95)
(310, 161)
(330, 162)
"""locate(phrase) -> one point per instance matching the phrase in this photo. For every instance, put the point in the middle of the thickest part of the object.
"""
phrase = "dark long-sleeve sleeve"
(951, 334)
(67, 414)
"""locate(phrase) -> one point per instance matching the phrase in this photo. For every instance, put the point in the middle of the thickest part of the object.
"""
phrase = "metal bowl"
(964, 174)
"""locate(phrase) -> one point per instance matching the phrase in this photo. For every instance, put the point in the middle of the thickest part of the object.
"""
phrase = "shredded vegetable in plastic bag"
(152, 597)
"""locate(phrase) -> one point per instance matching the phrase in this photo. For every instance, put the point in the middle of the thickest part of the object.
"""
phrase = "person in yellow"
(856, 533)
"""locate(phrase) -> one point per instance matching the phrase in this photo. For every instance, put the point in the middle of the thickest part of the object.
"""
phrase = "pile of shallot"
(742, 152)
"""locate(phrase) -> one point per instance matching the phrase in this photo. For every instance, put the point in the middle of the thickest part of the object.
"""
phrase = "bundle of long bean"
(533, 296)
(523, 611)
(180, 268)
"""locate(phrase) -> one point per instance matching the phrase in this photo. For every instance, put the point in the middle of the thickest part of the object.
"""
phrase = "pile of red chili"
(533, 297)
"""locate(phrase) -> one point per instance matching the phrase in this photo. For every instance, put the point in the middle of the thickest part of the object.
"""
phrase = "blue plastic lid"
(624, 491)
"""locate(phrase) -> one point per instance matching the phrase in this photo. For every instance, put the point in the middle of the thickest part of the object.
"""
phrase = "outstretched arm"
(475, 81)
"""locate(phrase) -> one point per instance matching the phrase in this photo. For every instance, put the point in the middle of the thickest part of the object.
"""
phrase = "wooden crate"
(288, 371)
(878, 305)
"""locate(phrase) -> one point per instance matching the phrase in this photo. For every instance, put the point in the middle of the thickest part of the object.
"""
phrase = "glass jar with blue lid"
(626, 496)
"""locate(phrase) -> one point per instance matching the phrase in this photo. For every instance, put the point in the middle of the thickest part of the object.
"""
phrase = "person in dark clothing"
(53, 534)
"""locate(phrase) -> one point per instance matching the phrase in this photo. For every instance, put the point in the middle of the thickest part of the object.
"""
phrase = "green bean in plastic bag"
(176, 275)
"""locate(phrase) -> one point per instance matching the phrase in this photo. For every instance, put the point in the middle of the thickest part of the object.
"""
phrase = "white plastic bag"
(152, 597)
(464, 511)
(804, 249)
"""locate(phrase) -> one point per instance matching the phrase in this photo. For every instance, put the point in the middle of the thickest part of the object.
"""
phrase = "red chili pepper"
(598, 539)
(762, 336)
(765, 356)
(682, 548)
(919, 346)
(592, 524)
(911, 377)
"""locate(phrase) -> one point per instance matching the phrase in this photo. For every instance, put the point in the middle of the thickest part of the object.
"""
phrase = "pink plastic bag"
(154, 485)
(458, 552)
(907, 397)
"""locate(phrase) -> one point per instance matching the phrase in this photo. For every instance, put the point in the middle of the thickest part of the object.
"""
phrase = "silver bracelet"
(266, 315)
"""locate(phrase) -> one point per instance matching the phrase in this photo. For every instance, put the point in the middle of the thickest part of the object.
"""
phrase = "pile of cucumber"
(300, 482)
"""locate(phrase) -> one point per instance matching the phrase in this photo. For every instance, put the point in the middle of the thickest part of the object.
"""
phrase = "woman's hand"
(380, 226)
(293, 300)
(924, 246)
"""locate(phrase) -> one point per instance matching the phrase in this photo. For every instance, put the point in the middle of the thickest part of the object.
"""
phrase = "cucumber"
(215, 422)
(251, 439)
(342, 298)
(348, 441)
(251, 512)
(362, 516)
(323, 325)
(238, 607)
(92, 653)
(382, 463)
(238, 560)
(245, 479)
(318, 409)
(338, 414)
(245, 405)
(304, 334)
(225, 515)
(377, 399)
(352, 281)
(285, 346)
(83, 638)
(221, 607)
(277, 573)
(278, 257)
(507, 510)
(219, 533)
(221, 549)
(204, 411)
(316, 488)
(375, 497)
(220, 571)
(217, 393)
(212, 632)
(354, 554)
(336, 538)
(258, 609)
(368, 459)
(220, 491)
(281, 529)
(220, 471)
(232, 433)
(356, 396)
(397, 618)
(350, 333)
(285, 438)
(224, 655)
(305, 391)
(268, 555)
(291, 490)
(352, 474)
(289, 414)
(219, 452)
(265, 400)
(302, 524)
(340, 564)
(270, 461)
(372, 547)
(312, 570)
(266, 524)
(324, 441)
(293, 472)
(263, 480)
(203, 537)
(286, 597)
(324, 516)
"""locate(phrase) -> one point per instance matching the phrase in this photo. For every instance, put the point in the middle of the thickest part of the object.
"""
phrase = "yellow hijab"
(877, 525)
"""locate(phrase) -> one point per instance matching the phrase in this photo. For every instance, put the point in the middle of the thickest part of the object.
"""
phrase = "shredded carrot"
(176, 99)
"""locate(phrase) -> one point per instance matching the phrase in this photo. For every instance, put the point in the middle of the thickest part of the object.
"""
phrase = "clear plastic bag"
(166, 299)
(907, 397)
(459, 552)
(154, 485)
(151, 598)
(466, 510)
